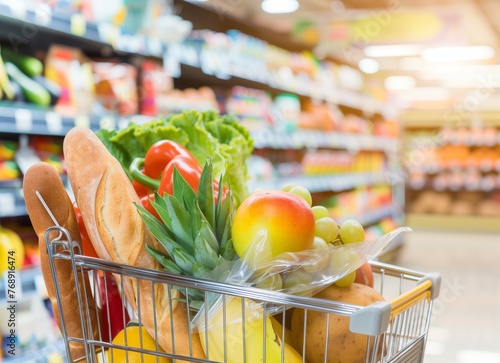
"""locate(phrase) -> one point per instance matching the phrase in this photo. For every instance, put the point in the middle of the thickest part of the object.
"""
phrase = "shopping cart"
(396, 329)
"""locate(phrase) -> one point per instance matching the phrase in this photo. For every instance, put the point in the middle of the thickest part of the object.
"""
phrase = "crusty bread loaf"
(43, 177)
(105, 197)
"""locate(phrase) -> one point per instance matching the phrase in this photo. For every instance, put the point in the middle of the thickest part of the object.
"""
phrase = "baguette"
(44, 179)
(105, 197)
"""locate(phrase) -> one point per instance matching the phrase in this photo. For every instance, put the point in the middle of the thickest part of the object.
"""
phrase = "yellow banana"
(244, 337)
(291, 355)
(278, 328)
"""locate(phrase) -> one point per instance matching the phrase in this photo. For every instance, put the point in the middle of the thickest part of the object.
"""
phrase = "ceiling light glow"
(368, 65)
(426, 94)
(279, 6)
(454, 54)
(399, 82)
(394, 50)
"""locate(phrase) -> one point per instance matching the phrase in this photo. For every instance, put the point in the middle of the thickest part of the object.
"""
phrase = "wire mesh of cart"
(394, 330)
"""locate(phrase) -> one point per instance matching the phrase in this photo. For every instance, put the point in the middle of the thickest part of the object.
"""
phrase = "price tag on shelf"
(136, 43)
(171, 64)
(43, 14)
(109, 34)
(333, 139)
(78, 24)
(7, 204)
(190, 56)
(23, 119)
(18, 9)
(296, 141)
(122, 43)
(54, 122)
(316, 93)
(310, 140)
(154, 46)
(352, 143)
(82, 121)
(333, 96)
(107, 123)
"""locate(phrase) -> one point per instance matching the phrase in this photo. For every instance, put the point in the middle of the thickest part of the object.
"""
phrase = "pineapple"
(195, 230)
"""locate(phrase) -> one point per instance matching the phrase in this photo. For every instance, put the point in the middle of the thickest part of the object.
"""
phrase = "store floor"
(465, 327)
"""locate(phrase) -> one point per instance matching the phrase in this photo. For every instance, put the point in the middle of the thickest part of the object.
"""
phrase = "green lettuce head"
(205, 134)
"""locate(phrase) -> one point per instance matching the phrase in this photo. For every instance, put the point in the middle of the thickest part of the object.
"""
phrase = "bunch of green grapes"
(328, 233)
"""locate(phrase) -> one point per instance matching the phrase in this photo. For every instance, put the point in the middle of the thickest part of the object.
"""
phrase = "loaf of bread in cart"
(44, 179)
(106, 197)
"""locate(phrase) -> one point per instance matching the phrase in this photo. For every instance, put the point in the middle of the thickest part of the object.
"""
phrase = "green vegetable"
(33, 92)
(189, 236)
(30, 66)
(53, 88)
(205, 134)
(5, 84)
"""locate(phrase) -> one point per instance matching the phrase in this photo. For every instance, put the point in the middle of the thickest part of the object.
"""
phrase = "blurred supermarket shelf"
(372, 216)
(59, 25)
(47, 26)
(481, 166)
(53, 25)
(421, 119)
(457, 223)
(12, 200)
(455, 182)
(320, 139)
(334, 95)
(52, 18)
(24, 118)
(321, 183)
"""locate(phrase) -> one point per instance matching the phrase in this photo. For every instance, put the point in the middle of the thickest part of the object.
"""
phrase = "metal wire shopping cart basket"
(396, 329)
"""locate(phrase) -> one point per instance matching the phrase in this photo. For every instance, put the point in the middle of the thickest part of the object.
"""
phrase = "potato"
(343, 346)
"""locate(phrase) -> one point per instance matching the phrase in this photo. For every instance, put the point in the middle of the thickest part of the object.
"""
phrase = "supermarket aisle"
(466, 323)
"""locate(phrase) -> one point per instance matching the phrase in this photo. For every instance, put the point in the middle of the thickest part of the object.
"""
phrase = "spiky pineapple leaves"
(195, 228)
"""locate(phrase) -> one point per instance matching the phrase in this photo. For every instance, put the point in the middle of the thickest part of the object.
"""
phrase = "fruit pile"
(302, 242)
(275, 239)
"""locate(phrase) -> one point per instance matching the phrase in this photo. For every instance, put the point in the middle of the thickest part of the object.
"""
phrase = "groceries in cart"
(190, 264)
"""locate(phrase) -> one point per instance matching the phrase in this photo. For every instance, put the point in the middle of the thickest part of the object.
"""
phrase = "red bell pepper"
(141, 189)
(114, 315)
(87, 246)
(160, 154)
(190, 170)
(169, 156)
(146, 203)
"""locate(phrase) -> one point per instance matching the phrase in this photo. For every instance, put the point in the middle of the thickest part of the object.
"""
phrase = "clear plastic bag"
(301, 273)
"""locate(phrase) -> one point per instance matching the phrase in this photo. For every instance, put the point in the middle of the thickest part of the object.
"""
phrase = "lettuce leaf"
(206, 134)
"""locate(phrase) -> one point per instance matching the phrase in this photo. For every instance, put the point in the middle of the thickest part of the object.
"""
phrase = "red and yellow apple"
(286, 218)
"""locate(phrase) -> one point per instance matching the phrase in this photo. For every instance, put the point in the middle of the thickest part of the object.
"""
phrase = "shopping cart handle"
(435, 278)
(372, 319)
